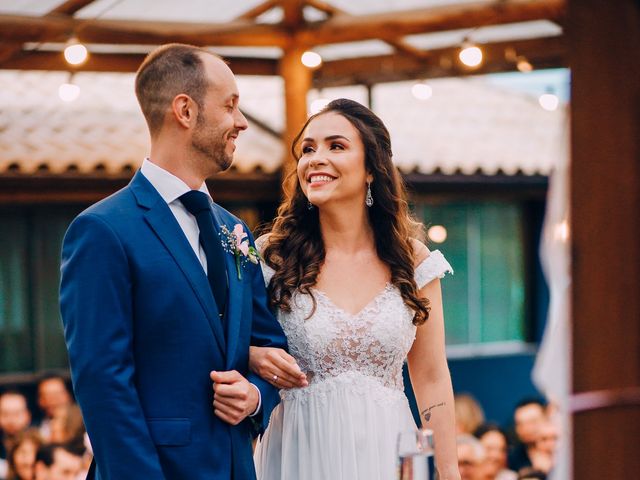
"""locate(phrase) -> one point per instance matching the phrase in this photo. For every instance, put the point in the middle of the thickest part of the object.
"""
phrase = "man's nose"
(241, 122)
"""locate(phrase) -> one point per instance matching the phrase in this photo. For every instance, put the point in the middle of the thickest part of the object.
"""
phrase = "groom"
(158, 316)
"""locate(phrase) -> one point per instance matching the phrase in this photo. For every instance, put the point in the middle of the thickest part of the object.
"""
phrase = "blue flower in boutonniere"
(236, 242)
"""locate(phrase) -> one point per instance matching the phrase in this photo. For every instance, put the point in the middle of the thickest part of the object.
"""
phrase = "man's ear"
(184, 110)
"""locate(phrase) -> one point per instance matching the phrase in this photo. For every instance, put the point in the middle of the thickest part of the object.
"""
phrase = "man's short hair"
(46, 452)
(530, 401)
(14, 392)
(46, 376)
(168, 71)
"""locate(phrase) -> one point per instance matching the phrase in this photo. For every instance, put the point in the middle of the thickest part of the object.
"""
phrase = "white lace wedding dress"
(344, 425)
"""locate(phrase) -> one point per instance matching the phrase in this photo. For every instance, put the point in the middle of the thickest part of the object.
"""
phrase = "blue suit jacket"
(143, 333)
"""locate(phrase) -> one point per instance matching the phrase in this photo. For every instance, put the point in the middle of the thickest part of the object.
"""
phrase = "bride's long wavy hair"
(295, 249)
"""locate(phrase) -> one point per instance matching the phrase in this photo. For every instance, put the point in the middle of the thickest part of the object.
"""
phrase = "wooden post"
(605, 205)
(297, 82)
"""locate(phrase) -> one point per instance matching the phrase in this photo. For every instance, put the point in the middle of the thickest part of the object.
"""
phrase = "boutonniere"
(236, 242)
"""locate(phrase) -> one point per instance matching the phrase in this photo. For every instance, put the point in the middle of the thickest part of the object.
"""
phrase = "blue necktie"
(197, 204)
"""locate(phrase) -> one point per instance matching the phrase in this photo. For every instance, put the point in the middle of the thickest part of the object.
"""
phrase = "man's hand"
(234, 397)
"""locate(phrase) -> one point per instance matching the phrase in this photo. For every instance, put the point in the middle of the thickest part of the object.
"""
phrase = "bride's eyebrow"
(336, 137)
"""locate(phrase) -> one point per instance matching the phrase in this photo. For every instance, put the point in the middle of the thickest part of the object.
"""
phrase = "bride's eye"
(337, 146)
(307, 149)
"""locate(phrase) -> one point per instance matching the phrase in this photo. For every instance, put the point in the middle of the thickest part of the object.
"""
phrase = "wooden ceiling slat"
(337, 29)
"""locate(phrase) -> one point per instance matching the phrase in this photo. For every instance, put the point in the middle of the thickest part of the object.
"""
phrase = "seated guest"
(22, 456)
(469, 414)
(53, 397)
(528, 415)
(15, 418)
(57, 461)
(471, 458)
(543, 453)
(494, 441)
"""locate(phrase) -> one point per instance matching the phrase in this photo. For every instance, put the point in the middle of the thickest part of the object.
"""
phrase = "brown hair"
(168, 71)
(295, 249)
(29, 435)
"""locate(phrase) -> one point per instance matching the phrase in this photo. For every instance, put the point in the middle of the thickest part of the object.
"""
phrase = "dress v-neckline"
(334, 305)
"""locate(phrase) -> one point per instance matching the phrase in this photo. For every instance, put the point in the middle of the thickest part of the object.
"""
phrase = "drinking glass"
(415, 455)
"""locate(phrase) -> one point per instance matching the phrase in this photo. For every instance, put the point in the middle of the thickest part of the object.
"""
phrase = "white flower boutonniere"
(236, 242)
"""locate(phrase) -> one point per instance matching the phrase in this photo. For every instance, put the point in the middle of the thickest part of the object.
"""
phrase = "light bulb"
(470, 55)
(524, 65)
(75, 53)
(422, 91)
(311, 59)
(68, 92)
(437, 233)
(549, 101)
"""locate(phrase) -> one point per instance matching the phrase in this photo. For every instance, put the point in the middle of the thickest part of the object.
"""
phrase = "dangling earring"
(369, 200)
(309, 205)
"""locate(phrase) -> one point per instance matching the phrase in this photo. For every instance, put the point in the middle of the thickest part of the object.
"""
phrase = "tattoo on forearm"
(426, 413)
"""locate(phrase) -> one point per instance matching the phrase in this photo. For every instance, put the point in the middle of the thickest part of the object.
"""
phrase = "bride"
(356, 295)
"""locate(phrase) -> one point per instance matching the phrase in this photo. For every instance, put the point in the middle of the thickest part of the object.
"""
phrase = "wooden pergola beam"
(341, 28)
(20, 28)
(542, 53)
(124, 62)
(547, 52)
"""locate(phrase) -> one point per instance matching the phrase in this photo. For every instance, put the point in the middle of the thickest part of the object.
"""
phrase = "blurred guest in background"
(57, 461)
(542, 455)
(15, 417)
(528, 416)
(494, 441)
(471, 458)
(469, 414)
(22, 455)
(53, 397)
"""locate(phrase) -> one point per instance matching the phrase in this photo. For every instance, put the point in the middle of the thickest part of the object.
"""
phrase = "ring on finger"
(275, 378)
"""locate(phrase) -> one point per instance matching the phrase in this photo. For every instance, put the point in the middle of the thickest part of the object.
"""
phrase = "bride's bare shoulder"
(420, 251)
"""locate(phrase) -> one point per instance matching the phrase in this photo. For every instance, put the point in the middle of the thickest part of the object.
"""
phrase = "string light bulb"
(422, 91)
(437, 233)
(75, 53)
(311, 59)
(549, 101)
(69, 91)
(470, 54)
(524, 65)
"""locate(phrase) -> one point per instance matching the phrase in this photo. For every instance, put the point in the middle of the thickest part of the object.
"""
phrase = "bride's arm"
(432, 383)
(277, 367)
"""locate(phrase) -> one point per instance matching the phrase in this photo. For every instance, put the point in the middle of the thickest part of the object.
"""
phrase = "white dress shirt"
(170, 189)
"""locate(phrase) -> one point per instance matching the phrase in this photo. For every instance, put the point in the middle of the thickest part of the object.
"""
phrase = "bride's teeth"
(320, 178)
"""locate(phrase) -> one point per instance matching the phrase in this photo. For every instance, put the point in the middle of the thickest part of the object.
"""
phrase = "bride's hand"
(277, 367)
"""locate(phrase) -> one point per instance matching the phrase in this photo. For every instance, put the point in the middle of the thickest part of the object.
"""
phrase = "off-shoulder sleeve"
(432, 267)
(267, 271)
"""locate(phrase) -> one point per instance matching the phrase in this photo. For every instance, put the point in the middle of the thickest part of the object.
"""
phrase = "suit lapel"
(234, 295)
(161, 220)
